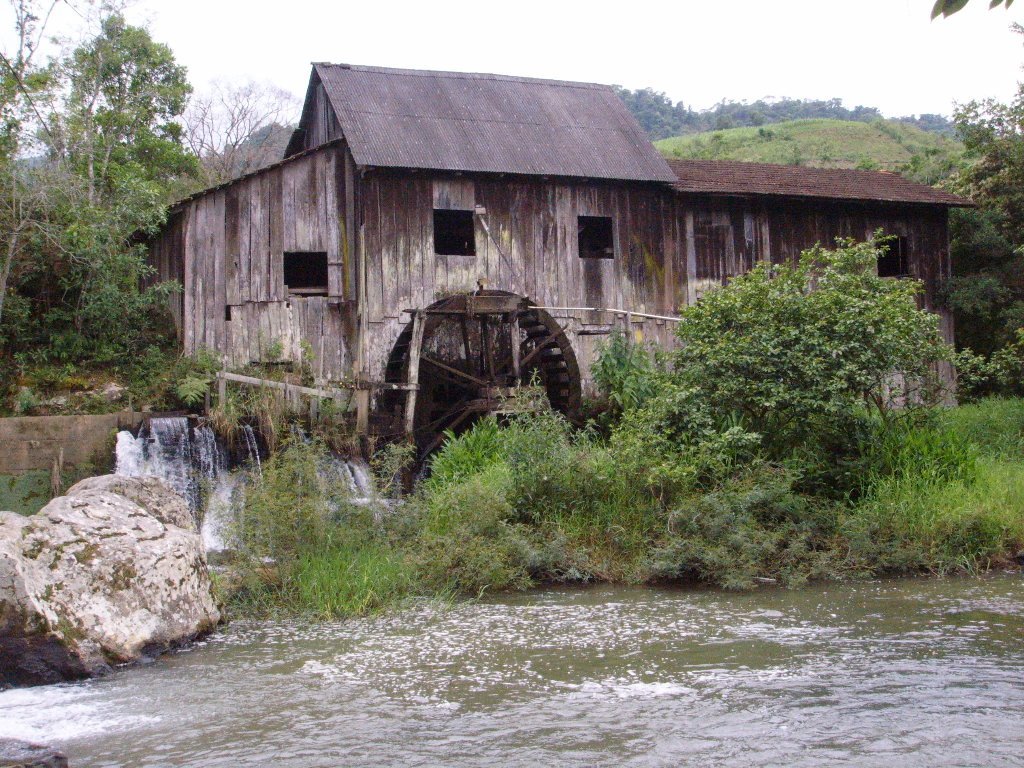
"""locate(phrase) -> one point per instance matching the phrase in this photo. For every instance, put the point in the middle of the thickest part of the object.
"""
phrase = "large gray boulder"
(111, 572)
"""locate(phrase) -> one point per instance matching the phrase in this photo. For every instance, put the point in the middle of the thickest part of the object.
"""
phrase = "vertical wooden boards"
(259, 238)
(331, 181)
(276, 291)
(232, 245)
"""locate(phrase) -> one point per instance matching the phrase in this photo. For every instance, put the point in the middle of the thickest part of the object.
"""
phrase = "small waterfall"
(193, 462)
(252, 447)
(185, 457)
(226, 496)
(358, 476)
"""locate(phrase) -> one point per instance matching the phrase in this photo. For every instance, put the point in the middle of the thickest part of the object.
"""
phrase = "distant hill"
(879, 145)
(662, 118)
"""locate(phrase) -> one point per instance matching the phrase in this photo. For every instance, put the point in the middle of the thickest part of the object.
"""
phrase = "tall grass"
(920, 523)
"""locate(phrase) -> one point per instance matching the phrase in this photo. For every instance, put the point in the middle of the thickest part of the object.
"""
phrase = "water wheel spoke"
(454, 371)
(545, 344)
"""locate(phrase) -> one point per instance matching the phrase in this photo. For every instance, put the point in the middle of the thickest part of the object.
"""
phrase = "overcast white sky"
(882, 53)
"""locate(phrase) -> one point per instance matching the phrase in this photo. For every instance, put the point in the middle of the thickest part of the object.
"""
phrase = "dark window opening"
(596, 237)
(227, 313)
(893, 260)
(454, 233)
(305, 272)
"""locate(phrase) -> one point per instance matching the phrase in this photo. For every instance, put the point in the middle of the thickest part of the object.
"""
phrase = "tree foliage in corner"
(946, 8)
(94, 144)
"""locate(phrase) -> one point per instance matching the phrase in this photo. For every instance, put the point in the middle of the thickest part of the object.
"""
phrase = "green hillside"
(880, 145)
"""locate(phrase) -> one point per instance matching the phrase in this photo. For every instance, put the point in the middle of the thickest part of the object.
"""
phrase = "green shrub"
(785, 347)
(753, 527)
(470, 542)
(624, 373)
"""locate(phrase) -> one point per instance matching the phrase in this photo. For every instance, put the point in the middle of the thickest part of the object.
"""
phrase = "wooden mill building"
(433, 238)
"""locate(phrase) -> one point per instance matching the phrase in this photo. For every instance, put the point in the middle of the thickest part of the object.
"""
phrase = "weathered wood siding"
(321, 124)
(528, 247)
(669, 249)
(226, 246)
(726, 237)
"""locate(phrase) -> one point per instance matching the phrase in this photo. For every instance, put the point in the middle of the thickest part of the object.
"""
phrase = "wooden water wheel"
(466, 354)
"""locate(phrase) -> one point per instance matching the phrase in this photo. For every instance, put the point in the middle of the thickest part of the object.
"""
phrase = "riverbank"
(533, 502)
(912, 671)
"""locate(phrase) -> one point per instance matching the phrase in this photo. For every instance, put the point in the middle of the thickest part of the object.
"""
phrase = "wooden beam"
(456, 371)
(516, 351)
(539, 348)
(252, 381)
(413, 373)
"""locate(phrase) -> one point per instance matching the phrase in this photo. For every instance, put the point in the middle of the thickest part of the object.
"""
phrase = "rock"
(21, 754)
(111, 572)
(111, 392)
(150, 493)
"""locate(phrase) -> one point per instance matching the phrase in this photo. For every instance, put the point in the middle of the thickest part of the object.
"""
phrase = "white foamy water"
(63, 713)
(186, 457)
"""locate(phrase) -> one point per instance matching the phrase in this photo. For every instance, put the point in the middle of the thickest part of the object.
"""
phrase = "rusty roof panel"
(488, 123)
(725, 177)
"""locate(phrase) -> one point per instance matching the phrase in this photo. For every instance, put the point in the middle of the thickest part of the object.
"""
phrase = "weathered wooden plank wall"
(226, 246)
(727, 237)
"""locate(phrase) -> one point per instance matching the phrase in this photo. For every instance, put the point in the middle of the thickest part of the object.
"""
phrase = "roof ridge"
(463, 75)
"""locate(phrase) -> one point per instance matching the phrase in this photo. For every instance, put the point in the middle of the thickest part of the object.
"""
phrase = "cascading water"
(195, 464)
(185, 457)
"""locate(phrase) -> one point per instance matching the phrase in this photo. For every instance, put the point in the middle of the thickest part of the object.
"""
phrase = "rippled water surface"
(909, 673)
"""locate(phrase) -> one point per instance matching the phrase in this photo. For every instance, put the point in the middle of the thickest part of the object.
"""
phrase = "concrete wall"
(29, 443)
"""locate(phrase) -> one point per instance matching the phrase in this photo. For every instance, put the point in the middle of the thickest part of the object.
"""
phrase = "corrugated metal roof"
(726, 177)
(488, 123)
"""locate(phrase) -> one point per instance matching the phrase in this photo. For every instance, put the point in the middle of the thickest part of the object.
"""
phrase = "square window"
(893, 260)
(596, 237)
(454, 233)
(305, 272)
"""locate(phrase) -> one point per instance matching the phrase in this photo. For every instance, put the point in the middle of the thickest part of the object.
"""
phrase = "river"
(908, 673)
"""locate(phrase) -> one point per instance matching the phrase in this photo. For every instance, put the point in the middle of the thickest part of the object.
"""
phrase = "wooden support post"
(516, 350)
(222, 390)
(57, 473)
(362, 411)
(413, 374)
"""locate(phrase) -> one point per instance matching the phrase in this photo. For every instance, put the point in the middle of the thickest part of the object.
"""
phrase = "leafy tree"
(25, 90)
(109, 158)
(119, 129)
(986, 292)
